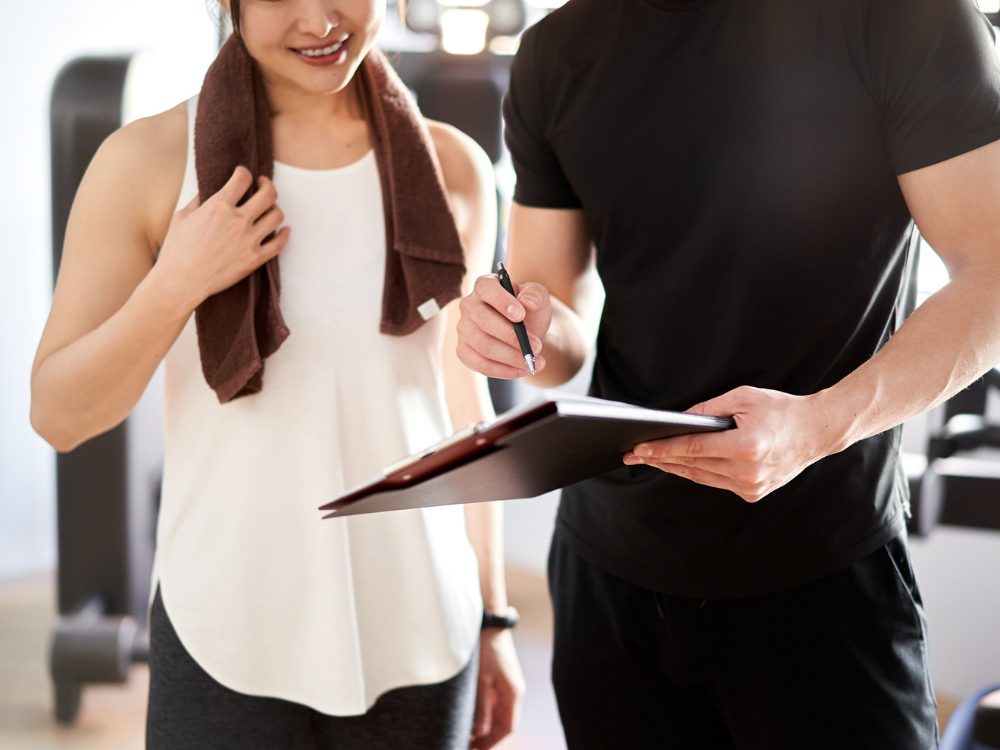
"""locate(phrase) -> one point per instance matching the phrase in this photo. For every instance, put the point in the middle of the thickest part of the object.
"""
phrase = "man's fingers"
(492, 323)
(237, 185)
(533, 295)
(489, 291)
(725, 444)
(701, 476)
(493, 349)
(476, 361)
(748, 493)
(721, 466)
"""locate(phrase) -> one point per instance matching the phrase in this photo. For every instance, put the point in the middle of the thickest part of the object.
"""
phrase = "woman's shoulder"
(150, 152)
(466, 168)
(150, 144)
(471, 185)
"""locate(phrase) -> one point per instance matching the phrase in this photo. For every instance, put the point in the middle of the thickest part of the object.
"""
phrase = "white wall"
(36, 40)
(959, 576)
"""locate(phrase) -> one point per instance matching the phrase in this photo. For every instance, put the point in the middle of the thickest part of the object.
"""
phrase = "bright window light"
(504, 45)
(931, 273)
(463, 31)
(989, 6)
(156, 81)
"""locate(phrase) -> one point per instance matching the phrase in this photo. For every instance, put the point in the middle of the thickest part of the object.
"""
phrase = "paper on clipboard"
(545, 444)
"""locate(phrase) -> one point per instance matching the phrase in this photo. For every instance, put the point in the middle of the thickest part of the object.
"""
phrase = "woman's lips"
(331, 53)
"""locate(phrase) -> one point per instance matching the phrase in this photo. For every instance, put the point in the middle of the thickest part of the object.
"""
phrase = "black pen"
(519, 329)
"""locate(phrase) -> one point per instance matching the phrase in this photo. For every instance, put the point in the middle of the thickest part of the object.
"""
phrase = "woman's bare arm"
(115, 313)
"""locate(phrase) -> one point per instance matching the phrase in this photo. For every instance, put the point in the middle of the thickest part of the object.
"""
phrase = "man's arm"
(952, 339)
(549, 253)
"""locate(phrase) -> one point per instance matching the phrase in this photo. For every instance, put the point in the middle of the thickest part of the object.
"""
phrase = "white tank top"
(268, 598)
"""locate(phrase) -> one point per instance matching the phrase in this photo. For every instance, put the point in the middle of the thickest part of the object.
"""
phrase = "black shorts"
(190, 710)
(839, 663)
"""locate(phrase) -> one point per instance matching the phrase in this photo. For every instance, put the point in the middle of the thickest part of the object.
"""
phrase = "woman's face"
(313, 45)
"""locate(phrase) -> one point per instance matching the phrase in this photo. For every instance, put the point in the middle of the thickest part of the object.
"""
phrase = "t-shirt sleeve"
(936, 78)
(541, 182)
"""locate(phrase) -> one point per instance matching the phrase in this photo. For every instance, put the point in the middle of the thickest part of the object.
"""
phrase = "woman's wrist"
(171, 296)
(495, 600)
(500, 619)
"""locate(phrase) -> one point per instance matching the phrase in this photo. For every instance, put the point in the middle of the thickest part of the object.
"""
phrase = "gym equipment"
(107, 489)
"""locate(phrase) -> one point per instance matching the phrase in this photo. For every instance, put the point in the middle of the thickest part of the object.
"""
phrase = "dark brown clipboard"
(523, 453)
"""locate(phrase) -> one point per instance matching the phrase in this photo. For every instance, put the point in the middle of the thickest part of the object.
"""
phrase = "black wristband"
(506, 620)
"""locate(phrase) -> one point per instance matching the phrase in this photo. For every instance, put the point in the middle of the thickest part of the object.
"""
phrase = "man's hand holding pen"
(487, 342)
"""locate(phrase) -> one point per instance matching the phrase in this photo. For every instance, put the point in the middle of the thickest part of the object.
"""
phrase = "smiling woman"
(302, 144)
(315, 39)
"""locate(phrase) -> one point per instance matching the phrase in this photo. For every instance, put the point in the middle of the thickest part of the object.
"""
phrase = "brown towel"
(240, 327)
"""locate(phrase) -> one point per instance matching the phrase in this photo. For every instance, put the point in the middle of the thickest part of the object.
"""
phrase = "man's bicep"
(552, 246)
(955, 204)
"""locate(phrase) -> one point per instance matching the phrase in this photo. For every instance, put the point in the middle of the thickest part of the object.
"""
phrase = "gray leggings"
(188, 709)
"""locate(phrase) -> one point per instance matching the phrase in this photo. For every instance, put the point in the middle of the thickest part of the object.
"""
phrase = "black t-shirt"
(736, 161)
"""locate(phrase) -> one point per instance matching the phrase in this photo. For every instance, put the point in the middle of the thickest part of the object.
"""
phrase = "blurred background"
(76, 530)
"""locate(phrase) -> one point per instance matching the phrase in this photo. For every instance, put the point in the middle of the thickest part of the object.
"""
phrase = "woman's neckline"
(360, 161)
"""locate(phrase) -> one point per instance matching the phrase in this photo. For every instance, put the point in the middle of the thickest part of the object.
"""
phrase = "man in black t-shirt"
(746, 174)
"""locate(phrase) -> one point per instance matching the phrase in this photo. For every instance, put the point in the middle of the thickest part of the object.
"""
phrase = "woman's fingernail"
(530, 300)
(513, 311)
(644, 450)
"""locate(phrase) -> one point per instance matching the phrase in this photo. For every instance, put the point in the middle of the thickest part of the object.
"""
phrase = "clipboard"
(530, 450)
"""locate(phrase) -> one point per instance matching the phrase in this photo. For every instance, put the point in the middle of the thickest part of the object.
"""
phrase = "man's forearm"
(952, 339)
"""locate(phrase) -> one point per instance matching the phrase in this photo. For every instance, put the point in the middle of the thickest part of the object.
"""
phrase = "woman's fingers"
(481, 725)
(268, 223)
(236, 187)
(261, 201)
(274, 245)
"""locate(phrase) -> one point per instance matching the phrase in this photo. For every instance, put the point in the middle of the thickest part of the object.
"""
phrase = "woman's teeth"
(326, 51)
